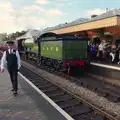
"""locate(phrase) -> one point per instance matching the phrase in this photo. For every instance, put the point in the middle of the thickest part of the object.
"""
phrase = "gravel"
(98, 100)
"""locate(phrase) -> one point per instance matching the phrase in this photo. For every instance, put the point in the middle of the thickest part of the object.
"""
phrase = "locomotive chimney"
(93, 16)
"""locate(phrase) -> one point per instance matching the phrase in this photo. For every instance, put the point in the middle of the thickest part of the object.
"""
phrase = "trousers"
(13, 76)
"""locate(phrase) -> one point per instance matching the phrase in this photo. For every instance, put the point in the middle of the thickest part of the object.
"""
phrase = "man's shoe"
(12, 89)
(15, 92)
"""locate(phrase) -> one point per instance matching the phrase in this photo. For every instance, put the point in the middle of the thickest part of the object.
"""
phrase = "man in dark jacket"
(12, 57)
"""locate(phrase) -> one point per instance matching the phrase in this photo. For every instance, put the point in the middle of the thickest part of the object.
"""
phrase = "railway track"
(110, 92)
(76, 107)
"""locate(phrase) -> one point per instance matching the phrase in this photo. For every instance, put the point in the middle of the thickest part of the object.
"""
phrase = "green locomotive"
(31, 45)
(61, 52)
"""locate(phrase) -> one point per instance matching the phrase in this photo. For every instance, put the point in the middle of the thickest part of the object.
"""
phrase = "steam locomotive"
(62, 52)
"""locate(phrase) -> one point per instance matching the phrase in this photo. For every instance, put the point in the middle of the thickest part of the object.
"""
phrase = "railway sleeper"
(92, 88)
(110, 96)
(84, 84)
(44, 86)
(89, 116)
(31, 77)
(113, 98)
(38, 78)
(54, 93)
(42, 81)
(49, 89)
(68, 103)
(40, 84)
(61, 98)
(81, 83)
(78, 110)
(102, 92)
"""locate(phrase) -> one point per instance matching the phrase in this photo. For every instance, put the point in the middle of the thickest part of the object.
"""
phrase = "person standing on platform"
(100, 51)
(12, 57)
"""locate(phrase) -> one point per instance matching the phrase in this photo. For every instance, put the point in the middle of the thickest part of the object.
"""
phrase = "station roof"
(30, 34)
(108, 19)
(81, 21)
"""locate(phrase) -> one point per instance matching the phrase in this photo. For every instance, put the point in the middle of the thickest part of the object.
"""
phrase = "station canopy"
(63, 25)
(107, 19)
(30, 34)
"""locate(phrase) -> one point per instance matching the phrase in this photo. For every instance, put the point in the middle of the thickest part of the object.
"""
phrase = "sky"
(18, 15)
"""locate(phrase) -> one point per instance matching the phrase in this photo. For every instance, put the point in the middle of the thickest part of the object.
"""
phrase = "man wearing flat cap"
(12, 57)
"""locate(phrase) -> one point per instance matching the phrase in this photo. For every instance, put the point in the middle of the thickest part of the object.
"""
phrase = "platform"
(105, 72)
(27, 105)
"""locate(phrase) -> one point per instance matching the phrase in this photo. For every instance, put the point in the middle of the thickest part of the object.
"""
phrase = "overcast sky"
(17, 15)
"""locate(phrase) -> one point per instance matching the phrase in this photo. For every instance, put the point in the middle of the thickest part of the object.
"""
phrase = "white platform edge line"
(105, 66)
(47, 98)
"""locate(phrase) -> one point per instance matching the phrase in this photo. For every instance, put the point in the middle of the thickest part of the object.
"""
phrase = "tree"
(13, 36)
(3, 36)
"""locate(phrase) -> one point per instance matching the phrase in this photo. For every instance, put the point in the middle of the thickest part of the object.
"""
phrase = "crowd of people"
(104, 52)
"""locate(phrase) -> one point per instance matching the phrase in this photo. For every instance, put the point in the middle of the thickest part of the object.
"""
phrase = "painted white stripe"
(47, 98)
(105, 66)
